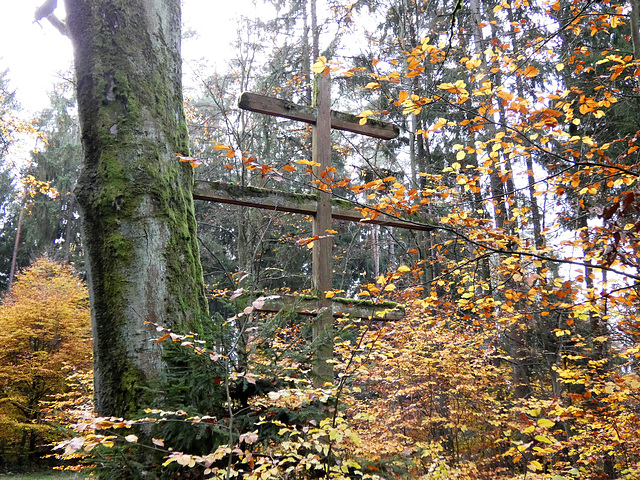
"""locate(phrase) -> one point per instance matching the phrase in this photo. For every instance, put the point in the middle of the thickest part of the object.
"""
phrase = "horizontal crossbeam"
(339, 120)
(304, 204)
(340, 307)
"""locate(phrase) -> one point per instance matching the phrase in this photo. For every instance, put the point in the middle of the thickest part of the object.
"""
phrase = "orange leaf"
(164, 337)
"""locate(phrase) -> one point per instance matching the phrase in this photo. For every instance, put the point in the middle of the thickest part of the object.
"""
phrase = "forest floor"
(52, 475)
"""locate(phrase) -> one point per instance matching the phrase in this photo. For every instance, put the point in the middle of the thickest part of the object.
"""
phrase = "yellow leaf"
(319, 66)
(390, 287)
(531, 71)
(523, 447)
(169, 461)
(364, 294)
(543, 439)
(546, 423)
(404, 269)
(329, 295)
(460, 155)
(308, 162)
(310, 245)
(505, 95)
(131, 438)
(615, 21)
(560, 67)
(535, 465)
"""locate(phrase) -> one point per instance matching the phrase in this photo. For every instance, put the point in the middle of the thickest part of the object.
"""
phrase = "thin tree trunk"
(16, 245)
(635, 28)
(375, 250)
(306, 55)
(68, 229)
(315, 33)
(245, 257)
(515, 338)
(393, 261)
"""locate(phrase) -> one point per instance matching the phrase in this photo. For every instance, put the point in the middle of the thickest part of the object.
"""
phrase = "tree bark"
(136, 201)
(315, 32)
(306, 54)
(68, 229)
(16, 245)
(635, 28)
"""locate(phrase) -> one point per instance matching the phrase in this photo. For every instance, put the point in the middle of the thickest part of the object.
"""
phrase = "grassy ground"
(43, 476)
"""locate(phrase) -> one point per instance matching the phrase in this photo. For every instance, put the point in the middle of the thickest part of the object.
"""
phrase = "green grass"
(44, 476)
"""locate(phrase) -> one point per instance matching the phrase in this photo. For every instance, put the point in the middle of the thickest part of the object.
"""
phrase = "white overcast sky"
(34, 54)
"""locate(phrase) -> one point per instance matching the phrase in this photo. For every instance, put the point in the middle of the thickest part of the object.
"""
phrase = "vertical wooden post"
(322, 249)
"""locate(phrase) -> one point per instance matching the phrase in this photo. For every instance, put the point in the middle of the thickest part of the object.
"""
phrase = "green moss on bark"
(136, 199)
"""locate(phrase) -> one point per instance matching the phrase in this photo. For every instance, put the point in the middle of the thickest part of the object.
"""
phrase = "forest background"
(518, 354)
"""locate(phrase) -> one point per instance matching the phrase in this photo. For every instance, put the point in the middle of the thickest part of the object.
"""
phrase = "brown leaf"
(609, 211)
(627, 201)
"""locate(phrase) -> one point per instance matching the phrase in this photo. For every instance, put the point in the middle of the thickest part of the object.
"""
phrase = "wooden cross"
(323, 120)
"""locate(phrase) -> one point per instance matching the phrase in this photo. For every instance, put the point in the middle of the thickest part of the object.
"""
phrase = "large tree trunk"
(137, 210)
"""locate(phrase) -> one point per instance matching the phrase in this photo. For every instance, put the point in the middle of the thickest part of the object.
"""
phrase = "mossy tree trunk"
(136, 198)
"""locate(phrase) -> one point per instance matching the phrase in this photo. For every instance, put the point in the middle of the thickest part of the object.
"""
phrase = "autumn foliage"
(518, 357)
(44, 340)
